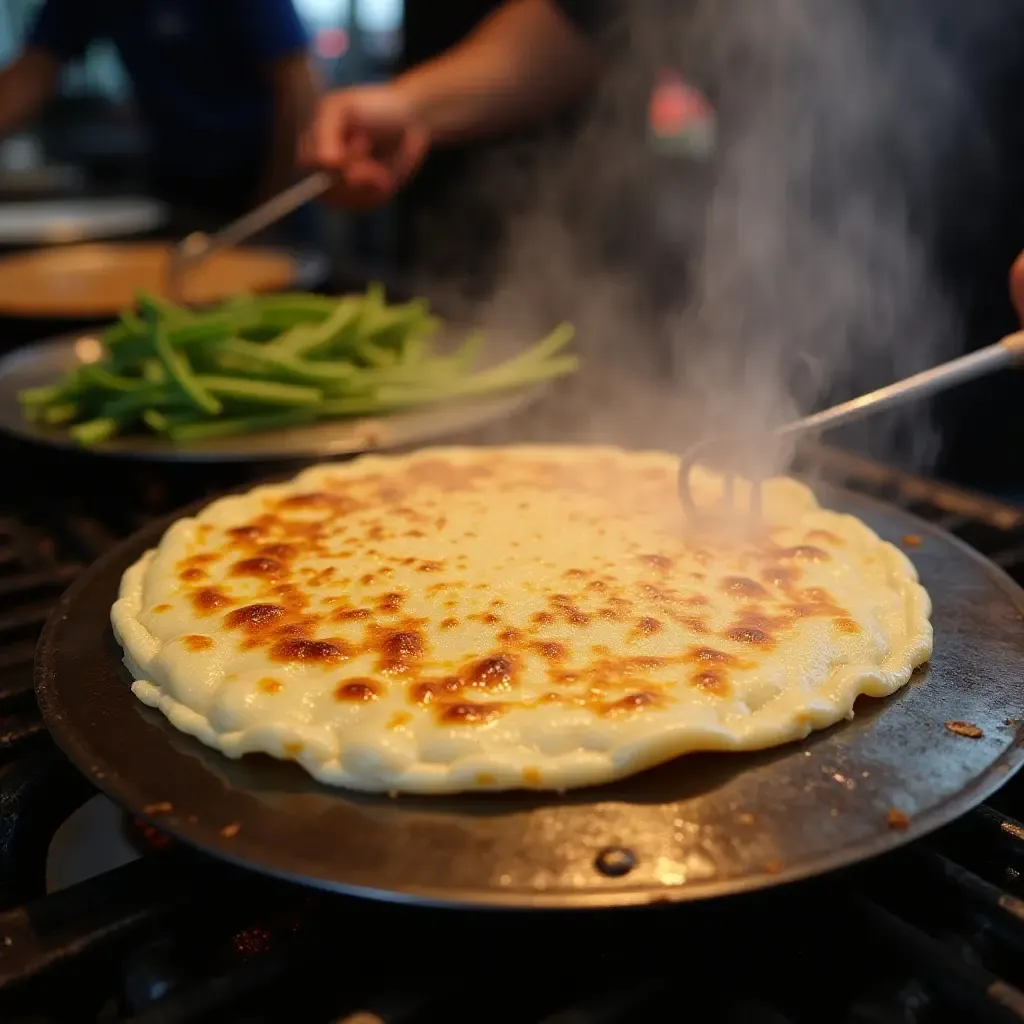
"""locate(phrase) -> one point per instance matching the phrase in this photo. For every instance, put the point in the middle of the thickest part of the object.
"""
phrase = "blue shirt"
(199, 70)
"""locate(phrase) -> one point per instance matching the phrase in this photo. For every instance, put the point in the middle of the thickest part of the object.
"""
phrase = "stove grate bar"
(210, 998)
(90, 918)
(987, 998)
(19, 732)
(999, 910)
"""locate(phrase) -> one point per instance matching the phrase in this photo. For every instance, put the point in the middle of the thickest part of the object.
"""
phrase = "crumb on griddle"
(968, 729)
(1011, 721)
(163, 807)
(230, 831)
(911, 540)
(896, 819)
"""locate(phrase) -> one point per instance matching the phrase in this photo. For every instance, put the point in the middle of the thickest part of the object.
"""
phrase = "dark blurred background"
(89, 141)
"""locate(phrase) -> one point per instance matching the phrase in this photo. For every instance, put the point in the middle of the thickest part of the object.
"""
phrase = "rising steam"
(791, 270)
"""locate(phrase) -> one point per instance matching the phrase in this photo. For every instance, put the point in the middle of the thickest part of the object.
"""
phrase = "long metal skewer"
(1003, 355)
(197, 247)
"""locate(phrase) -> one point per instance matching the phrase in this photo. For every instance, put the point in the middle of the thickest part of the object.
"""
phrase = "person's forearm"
(296, 92)
(522, 63)
(25, 85)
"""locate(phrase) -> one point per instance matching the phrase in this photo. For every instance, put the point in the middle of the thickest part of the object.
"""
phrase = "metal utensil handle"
(1000, 356)
(262, 216)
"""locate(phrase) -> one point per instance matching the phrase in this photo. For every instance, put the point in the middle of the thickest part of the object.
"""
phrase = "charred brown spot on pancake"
(322, 652)
(711, 680)
(209, 599)
(576, 618)
(575, 574)
(245, 534)
(709, 656)
(494, 673)
(398, 719)
(304, 628)
(510, 636)
(805, 553)
(313, 499)
(254, 617)
(814, 601)
(741, 586)
(598, 585)
(846, 625)
(356, 690)
(648, 626)
(551, 650)
(542, 618)
(196, 642)
(293, 750)
(690, 622)
(748, 633)
(389, 603)
(397, 651)
(161, 608)
(429, 691)
(368, 580)
(470, 714)
(268, 685)
(350, 614)
(449, 623)
(631, 702)
(258, 567)
(430, 565)
(279, 551)
(192, 575)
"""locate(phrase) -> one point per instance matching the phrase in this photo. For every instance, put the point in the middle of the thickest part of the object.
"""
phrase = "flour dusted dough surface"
(537, 617)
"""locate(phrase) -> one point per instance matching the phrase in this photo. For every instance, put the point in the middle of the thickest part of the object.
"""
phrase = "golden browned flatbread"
(480, 619)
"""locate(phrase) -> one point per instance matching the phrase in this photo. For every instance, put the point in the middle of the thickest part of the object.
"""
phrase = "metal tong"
(1003, 355)
(197, 247)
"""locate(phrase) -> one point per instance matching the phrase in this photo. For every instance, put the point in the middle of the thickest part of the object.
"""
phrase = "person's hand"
(1017, 286)
(368, 137)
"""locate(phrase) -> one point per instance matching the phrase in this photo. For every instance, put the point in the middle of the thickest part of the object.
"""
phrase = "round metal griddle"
(43, 362)
(704, 825)
(60, 282)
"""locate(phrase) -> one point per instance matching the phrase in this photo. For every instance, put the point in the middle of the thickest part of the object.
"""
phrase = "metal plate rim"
(137, 215)
(304, 443)
(993, 778)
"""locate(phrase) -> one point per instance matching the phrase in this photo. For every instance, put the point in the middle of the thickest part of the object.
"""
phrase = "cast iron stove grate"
(931, 934)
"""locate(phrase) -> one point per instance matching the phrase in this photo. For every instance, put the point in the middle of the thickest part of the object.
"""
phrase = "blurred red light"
(331, 43)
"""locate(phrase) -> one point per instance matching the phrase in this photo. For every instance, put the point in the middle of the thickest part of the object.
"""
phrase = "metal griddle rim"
(233, 851)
